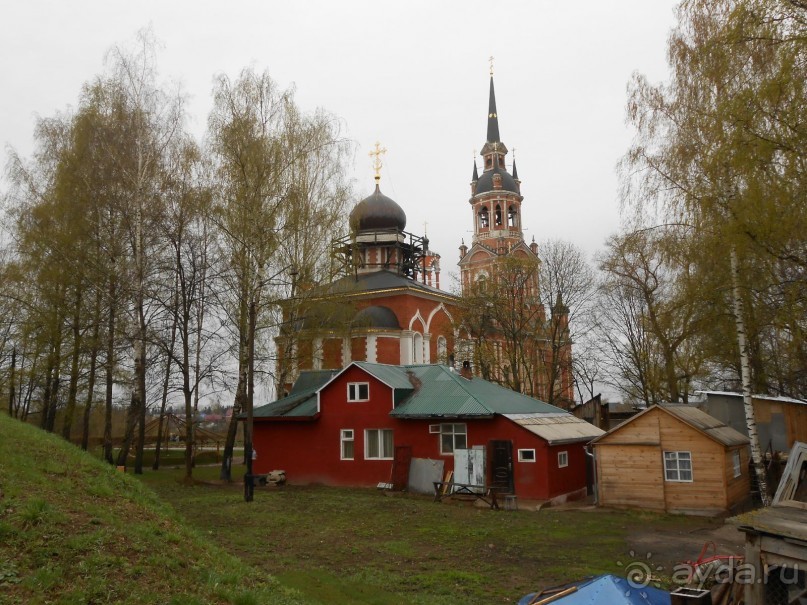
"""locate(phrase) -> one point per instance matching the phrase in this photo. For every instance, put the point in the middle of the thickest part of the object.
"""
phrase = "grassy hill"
(74, 530)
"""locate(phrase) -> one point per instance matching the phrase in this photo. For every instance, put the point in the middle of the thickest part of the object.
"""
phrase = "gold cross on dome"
(490, 59)
(376, 154)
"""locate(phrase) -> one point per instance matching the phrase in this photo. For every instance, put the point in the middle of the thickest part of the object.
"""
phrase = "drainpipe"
(593, 457)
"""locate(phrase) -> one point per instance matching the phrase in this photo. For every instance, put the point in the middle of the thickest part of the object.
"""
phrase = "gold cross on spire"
(377, 165)
(491, 64)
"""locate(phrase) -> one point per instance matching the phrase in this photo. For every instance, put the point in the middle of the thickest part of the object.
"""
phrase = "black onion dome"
(485, 182)
(376, 317)
(377, 211)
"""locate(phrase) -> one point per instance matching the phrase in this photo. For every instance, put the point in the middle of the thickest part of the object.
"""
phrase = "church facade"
(386, 305)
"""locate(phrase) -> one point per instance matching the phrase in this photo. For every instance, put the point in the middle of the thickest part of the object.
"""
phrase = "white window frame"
(377, 434)
(354, 391)
(448, 429)
(673, 470)
(526, 455)
(563, 459)
(347, 436)
(736, 459)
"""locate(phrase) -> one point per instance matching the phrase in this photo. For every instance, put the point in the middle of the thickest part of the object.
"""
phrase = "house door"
(400, 467)
(501, 465)
(469, 467)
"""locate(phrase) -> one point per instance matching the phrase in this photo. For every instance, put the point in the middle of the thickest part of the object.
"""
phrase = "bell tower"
(495, 207)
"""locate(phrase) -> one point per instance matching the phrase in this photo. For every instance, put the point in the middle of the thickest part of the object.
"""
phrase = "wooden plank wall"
(630, 468)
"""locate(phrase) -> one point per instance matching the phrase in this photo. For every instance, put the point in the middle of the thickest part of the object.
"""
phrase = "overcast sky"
(410, 74)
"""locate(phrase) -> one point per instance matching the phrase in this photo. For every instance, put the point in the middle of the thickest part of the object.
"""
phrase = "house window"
(378, 444)
(678, 466)
(346, 438)
(738, 467)
(526, 455)
(358, 391)
(563, 459)
(453, 437)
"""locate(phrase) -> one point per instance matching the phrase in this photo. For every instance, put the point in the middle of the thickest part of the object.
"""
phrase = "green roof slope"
(301, 402)
(443, 392)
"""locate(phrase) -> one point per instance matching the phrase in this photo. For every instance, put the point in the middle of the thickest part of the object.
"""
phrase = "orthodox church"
(386, 305)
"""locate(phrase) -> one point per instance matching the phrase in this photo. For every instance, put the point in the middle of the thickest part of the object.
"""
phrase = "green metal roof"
(394, 376)
(301, 402)
(443, 392)
(421, 391)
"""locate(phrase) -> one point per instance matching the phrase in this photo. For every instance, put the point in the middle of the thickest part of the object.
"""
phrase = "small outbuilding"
(781, 421)
(673, 458)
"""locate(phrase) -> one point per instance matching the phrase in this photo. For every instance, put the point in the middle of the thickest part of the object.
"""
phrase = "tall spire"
(493, 118)
(475, 177)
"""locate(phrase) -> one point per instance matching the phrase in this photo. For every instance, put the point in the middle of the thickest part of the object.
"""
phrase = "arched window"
(442, 349)
(484, 221)
(417, 347)
(512, 217)
(498, 215)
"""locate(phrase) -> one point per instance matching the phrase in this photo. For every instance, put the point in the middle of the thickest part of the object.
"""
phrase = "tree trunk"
(239, 403)
(745, 373)
(11, 387)
(85, 434)
(110, 369)
(72, 391)
(166, 381)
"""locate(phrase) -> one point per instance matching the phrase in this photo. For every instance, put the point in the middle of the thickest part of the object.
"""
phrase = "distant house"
(673, 458)
(605, 415)
(362, 426)
(781, 421)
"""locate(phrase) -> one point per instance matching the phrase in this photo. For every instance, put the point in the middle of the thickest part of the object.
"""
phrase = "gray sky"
(412, 75)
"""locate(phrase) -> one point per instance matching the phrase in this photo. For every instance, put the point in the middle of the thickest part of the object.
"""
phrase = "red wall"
(309, 451)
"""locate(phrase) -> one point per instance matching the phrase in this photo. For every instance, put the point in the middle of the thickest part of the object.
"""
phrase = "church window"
(483, 218)
(442, 349)
(417, 347)
(498, 215)
(512, 217)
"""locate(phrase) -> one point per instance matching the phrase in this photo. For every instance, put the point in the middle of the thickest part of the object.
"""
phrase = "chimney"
(466, 370)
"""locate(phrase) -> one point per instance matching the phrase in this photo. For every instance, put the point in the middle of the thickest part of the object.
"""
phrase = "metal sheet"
(423, 472)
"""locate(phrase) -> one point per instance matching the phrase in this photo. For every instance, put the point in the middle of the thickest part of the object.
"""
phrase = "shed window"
(563, 459)
(358, 391)
(453, 437)
(678, 466)
(378, 444)
(526, 455)
(738, 467)
(346, 438)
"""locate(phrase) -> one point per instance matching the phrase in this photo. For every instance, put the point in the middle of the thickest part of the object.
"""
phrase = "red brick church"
(386, 305)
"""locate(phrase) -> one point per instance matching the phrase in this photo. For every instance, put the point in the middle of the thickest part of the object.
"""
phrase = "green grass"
(74, 530)
(363, 546)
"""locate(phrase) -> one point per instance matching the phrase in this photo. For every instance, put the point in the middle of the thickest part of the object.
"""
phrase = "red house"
(362, 425)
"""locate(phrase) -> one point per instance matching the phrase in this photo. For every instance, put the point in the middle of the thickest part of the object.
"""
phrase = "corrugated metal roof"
(443, 392)
(719, 431)
(557, 428)
(765, 397)
(301, 401)
(394, 376)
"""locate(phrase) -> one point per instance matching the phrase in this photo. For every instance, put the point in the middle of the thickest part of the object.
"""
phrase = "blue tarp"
(606, 590)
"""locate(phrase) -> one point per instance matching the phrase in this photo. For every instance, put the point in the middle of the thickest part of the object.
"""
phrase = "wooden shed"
(672, 458)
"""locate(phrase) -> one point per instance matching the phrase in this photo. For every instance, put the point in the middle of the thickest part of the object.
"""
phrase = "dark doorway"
(400, 467)
(501, 466)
